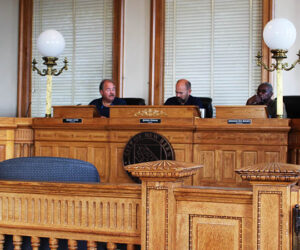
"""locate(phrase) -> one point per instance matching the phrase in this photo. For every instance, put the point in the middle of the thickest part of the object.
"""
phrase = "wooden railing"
(161, 213)
(93, 213)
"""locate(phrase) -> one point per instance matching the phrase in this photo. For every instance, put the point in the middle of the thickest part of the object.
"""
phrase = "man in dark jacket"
(183, 95)
(264, 97)
(107, 90)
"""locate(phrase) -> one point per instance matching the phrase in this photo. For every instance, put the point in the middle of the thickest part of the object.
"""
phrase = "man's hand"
(254, 100)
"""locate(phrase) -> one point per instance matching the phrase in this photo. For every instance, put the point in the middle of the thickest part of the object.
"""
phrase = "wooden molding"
(156, 70)
(271, 172)
(24, 63)
(118, 45)
(164, 169)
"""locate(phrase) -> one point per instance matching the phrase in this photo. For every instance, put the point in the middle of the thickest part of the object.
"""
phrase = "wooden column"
(159, 178)
(271, 203)
(118, 45)
(24, 63)
(157, 36)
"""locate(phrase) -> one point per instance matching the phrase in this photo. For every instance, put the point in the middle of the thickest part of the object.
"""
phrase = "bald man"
(183, 95)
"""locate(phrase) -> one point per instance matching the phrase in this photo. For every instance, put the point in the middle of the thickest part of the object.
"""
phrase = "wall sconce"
(279, 35)
(50, 44)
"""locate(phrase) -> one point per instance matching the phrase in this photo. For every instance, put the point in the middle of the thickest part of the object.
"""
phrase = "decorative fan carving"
(274, 171)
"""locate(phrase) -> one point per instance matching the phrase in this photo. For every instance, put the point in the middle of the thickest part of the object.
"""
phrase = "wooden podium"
(182, 115)
(241, 112)
(79, 111)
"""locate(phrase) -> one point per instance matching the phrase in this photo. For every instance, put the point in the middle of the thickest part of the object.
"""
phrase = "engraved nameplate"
(150, 121)
(72, 120)
(239, 121)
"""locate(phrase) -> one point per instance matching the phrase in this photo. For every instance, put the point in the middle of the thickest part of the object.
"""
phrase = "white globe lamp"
(279, 33)
(51, 43)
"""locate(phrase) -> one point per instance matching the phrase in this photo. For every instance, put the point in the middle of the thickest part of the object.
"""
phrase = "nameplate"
(239, 121)
(72, 120)
(150, 120)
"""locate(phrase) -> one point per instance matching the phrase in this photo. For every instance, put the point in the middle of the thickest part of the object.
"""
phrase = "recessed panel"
(215, 232)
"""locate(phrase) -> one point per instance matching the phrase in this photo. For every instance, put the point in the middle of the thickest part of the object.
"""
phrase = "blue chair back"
(51, 169)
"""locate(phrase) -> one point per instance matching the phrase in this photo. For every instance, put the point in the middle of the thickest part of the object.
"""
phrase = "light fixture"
(50, 44)
(279, 35)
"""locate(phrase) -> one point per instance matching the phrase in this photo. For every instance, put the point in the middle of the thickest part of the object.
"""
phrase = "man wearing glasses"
(264, 97)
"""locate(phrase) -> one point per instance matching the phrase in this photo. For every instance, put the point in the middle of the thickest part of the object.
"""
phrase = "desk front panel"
(219, 146)
(104, 148)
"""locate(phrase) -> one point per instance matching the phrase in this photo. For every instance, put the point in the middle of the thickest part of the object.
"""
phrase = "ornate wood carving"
(164, 169)
(116, 211)
(151, 113)
(271, 172)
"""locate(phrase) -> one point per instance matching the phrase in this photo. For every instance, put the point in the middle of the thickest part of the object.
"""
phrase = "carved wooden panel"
(23, 142)
(71, 135)
(6, 144)
(219, 219)
(267, 200)
(171, 136)
(220, 161)
(95, 153)
(240, 138)
(228, 162)
(23, 150)
(117, 172)
(156, 213)
(2, 152)
(184, 152)
(91, 213)
(249, 157)
(215, 232)
(207, 173)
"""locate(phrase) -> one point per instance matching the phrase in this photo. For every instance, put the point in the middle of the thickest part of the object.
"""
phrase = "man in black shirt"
(183, 95)
(107, 90)
(264, 97)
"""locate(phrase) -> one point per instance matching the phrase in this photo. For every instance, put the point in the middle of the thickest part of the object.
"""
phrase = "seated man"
(107, 90)
(263, 97)
(183, 95)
